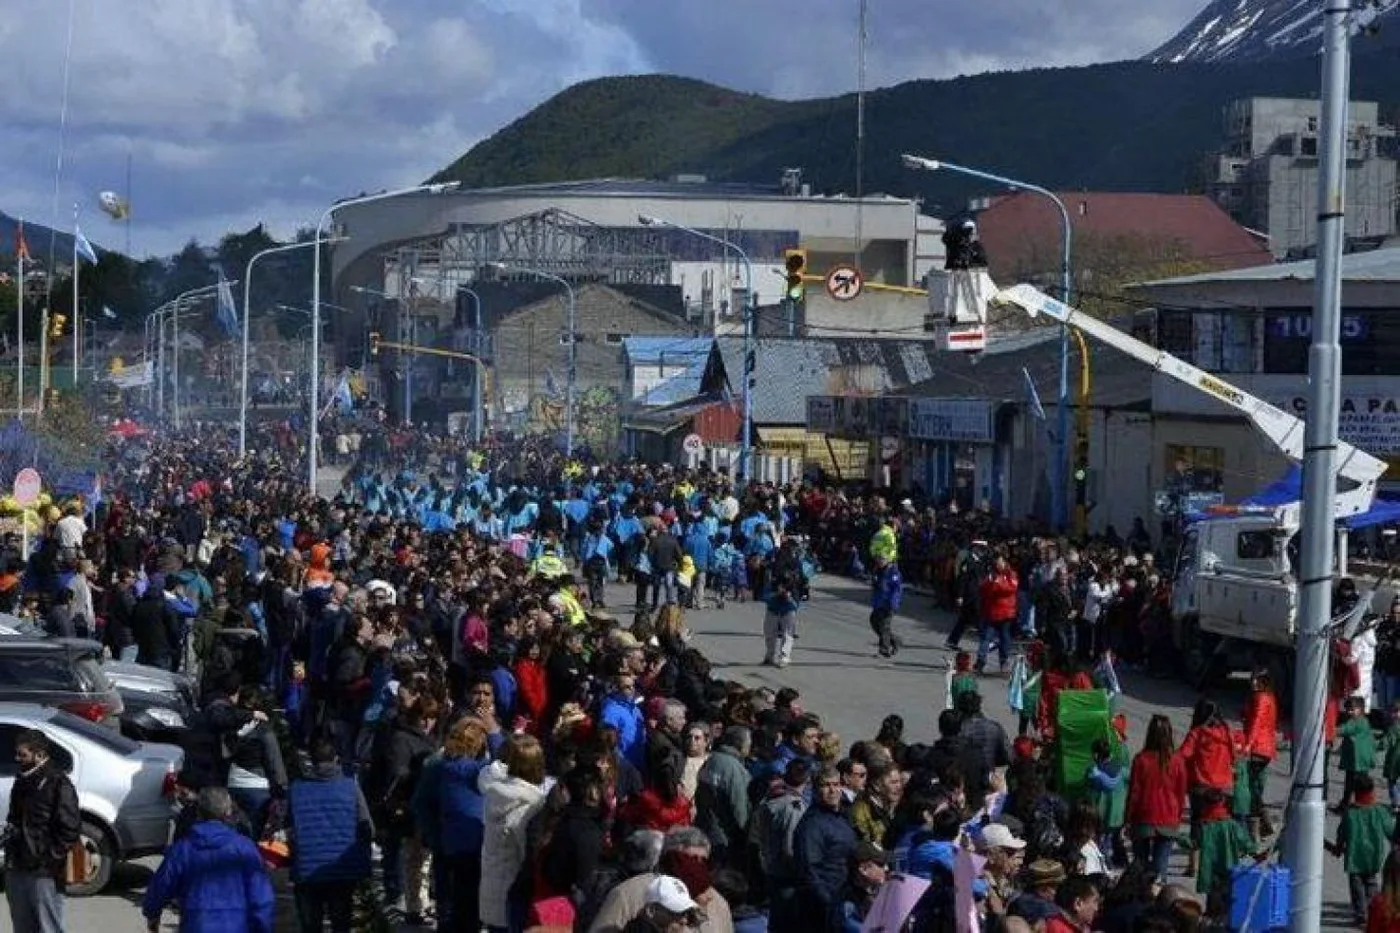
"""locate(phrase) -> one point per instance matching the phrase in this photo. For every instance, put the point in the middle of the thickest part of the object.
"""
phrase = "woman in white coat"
(513, 792)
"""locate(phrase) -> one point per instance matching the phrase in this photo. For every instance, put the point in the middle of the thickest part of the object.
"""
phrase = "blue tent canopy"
(1290, 489)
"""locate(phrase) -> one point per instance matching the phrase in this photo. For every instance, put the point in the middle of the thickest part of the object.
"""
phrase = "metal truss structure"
(553, 241)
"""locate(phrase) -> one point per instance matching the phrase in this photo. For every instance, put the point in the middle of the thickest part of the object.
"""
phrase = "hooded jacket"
(510, 804)
(217, 875)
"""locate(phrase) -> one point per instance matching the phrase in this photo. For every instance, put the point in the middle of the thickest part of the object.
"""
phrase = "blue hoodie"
(218, 877)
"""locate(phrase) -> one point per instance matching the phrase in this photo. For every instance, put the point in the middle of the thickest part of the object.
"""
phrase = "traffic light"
(56, 325)
(1081, 470)
(374, 343)
(795, 262)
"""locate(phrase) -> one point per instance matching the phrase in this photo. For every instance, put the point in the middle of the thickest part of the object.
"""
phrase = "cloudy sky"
(239, 111)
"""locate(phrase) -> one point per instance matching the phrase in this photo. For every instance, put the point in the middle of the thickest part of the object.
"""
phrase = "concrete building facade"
(1265, 174)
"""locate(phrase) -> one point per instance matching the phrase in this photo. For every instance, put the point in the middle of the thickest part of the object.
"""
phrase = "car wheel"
(95, 869)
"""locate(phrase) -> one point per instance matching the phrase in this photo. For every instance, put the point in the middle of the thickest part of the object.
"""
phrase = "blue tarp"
(1290, 489)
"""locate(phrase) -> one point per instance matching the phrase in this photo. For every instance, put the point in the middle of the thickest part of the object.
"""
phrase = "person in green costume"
(1358, 754)
(1363, 842)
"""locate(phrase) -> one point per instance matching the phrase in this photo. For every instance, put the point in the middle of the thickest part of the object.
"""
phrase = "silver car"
(126, 789)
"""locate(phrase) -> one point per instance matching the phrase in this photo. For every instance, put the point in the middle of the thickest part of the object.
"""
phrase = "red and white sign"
(844, 283)
(28, 486)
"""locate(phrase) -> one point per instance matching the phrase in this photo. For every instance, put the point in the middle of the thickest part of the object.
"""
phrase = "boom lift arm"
(1357, 470)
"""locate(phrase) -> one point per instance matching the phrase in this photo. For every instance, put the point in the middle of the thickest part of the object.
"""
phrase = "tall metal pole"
(19, 318)
(175, 365)
(746, 451)
(859, 245)
(479, 417)
(1305, 828)
(160, 365)
(314, 434)
(1060, 473)
(77, 269)
(247, 293)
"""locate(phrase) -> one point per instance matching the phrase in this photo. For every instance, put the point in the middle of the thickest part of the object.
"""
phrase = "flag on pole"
(226, 312)
(82, 247)
(1032, 395)
(343, 397)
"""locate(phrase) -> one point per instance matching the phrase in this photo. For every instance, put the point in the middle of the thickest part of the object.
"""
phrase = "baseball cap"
(671, 894)
(870, 852)
(998, 836)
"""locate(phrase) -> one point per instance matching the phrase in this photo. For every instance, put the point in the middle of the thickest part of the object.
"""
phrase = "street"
(841, 678)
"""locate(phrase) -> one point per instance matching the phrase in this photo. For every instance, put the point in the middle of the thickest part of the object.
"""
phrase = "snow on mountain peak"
(1248, 30)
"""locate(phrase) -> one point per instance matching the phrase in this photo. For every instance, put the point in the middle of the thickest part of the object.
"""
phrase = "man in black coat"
(156, 629)
(42, 826)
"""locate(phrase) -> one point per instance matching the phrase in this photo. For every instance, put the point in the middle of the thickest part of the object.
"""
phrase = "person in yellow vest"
(884, 544)
(567, 603)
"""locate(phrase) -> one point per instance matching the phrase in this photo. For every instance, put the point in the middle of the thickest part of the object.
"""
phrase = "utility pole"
(1305, 827)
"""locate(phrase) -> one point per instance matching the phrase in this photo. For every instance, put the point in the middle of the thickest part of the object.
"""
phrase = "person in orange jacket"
(1209, 756)
(1260, 743)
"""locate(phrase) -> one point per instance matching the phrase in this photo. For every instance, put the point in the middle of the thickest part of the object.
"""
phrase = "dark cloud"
(239, 112)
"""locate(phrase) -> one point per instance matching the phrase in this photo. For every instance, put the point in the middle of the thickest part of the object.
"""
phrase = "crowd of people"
(422, 697)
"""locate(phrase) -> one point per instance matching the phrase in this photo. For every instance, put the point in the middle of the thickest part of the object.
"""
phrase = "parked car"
(158, 704)
(62, 672)
(126, 789)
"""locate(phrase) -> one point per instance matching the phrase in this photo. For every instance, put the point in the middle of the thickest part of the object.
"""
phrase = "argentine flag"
(82, 247)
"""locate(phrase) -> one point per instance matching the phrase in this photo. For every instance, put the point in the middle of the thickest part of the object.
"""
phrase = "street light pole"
(746, 448)
(314, 434)
(573, 347)
(478, 420)
(1059, 492)
(1304, 831)
(247, 293)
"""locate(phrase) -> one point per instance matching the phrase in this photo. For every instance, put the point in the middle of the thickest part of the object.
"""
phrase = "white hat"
(671, 894)
(997, 836)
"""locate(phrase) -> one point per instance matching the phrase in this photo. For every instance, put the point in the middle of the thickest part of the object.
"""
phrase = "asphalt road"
(842, 679)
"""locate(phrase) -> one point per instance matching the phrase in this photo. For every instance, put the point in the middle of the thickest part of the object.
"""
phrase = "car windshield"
(107, 738)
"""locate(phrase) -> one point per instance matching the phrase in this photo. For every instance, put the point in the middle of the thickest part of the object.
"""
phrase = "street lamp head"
(919, 162)
(443, 187)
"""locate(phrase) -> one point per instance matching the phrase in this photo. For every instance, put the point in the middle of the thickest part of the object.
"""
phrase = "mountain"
(1128, 126)
(1255, 30)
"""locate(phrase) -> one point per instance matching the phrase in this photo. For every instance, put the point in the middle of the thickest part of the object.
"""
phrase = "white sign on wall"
(1370, 422)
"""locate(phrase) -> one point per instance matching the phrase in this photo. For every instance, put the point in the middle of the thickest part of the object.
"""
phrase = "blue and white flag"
(343, 396)
(226, 312)
(82, 247)
(1032, 395)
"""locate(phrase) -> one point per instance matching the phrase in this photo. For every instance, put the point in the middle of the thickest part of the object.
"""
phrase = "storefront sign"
(821, 414)
(951, 419)
(1370, 422)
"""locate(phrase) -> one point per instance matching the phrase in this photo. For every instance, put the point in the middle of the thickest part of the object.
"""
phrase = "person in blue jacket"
(697, 545)
(330, 833)
(448, 808)
(619, 710)
(215, 874)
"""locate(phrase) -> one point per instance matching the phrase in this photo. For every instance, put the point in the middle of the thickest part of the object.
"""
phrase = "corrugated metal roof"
(1382, 265)
(676, 389)
(787, 370)
(652, 350)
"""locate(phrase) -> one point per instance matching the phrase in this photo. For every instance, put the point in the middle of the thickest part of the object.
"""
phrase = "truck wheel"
(1200, 664)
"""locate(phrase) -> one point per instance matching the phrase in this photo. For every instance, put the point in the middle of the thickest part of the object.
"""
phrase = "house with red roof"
(1130, 232)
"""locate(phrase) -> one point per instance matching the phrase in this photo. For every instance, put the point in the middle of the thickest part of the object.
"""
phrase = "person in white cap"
(1004, 852)
(669, 908)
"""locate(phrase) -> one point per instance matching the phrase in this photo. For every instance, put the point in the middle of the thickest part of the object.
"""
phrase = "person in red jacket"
(997, 596)
(1260, 744)
(660, 805)
(1156, 792)
(532, 696)
(1208, 752)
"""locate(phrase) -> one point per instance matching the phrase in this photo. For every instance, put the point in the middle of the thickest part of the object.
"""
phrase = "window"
(1194, 469)
(46, 671)
(615, 339)
(1254, 545)
(1174, 334)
